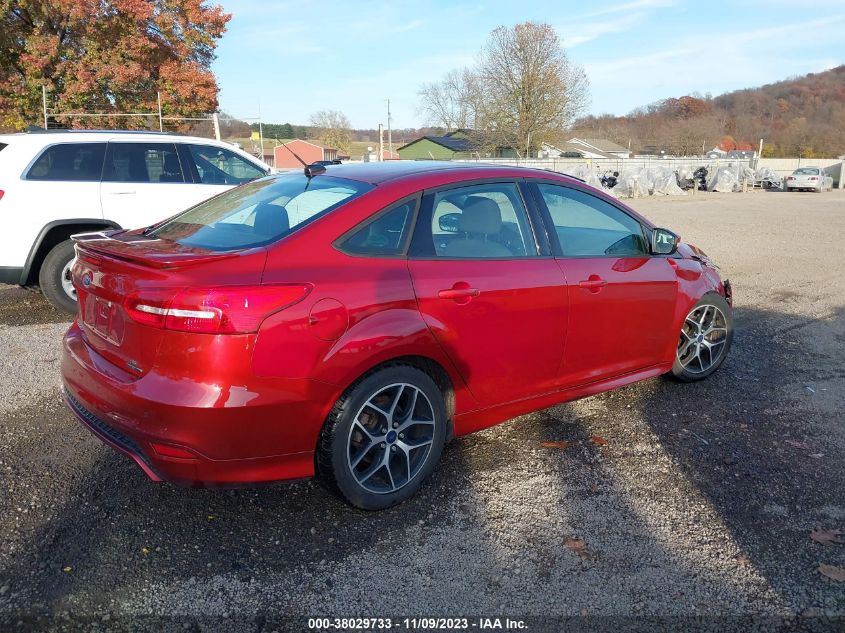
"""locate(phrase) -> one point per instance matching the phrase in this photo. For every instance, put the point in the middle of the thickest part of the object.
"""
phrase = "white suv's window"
(69, 161)
(142, 162)
(218, 166)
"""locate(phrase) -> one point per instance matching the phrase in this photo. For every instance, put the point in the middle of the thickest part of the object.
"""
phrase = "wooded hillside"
(800, 116)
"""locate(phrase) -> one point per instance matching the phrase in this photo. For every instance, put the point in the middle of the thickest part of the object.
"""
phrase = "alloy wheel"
(703, 338)
(391, 438)
(67, 280)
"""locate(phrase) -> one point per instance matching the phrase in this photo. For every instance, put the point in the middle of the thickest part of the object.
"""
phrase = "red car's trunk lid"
(114, 266)
(136, 247)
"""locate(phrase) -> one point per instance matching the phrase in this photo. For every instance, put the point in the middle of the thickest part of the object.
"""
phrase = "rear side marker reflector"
(166, 450)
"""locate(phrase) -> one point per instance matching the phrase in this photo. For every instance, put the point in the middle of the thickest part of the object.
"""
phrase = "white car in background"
(59, 182)
(809, 178)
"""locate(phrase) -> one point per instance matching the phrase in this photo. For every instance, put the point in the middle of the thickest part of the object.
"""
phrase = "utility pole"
(216, 120)
(389, 131)
(759, 154)
(380, 142)
(44, 102)
(261, 133)
(160, 119)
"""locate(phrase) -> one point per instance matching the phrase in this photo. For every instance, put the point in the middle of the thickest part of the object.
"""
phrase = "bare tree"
(333, 128)
(523, 90)
(453, 102)
(531, 87)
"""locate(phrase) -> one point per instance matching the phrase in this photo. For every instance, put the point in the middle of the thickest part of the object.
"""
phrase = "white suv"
(60, 182)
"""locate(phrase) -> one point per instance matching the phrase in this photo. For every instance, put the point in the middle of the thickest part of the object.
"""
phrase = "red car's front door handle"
(593, 284)
(459, 294)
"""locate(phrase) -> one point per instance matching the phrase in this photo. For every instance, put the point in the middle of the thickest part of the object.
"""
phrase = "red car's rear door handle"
(593, 284)
(458, 293)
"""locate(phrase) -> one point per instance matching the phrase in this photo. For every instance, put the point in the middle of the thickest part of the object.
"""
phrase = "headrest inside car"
(480, 215)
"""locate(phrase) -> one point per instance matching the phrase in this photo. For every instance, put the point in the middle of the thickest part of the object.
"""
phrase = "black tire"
(687, 373)
(50, 276)
(333, 459)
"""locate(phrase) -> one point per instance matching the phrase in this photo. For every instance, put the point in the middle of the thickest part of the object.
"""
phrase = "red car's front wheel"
(705, 339)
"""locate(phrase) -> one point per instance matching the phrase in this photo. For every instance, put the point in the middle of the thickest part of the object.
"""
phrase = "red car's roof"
(375, 173)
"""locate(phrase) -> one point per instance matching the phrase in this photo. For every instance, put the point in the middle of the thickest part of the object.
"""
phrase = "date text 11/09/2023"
(416, 624)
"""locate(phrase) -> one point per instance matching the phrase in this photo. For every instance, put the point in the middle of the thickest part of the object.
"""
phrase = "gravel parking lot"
(697, 510)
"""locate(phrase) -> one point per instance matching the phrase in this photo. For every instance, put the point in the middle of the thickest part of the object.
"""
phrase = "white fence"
(601, 165)
(782, 166)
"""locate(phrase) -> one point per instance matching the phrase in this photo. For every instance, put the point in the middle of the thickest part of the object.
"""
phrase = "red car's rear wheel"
(383, 437)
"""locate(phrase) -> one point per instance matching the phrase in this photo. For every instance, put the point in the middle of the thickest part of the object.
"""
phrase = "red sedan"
(348, 321)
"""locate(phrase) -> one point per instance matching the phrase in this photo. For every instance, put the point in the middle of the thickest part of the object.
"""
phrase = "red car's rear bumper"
(186, 432)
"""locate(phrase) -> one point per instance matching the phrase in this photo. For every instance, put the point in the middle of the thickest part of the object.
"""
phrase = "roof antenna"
(314, 170)
(310, 170)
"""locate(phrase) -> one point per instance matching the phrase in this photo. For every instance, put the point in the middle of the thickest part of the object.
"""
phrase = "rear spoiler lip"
(100, 243)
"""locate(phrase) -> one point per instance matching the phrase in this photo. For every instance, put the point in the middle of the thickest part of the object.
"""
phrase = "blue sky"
(299, 57)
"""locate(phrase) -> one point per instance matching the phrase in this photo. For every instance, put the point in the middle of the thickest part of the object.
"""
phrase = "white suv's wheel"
(54, 277)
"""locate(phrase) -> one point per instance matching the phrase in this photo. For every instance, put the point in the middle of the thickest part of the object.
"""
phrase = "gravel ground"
(697, 511)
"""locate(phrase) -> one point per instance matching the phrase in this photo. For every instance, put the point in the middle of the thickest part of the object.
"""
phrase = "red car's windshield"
(259, 212)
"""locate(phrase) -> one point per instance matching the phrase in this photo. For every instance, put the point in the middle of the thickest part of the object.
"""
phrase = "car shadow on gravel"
(728, 435)
(761, 441)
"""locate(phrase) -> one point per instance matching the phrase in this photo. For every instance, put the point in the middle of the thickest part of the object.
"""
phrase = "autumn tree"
(727, 143)
(333, 128)
(107, 56)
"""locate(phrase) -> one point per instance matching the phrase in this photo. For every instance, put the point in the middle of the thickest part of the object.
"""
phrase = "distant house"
(285, 155)
(735, 154)
(268, 156)
(457, 144)
(654, 151)
(600, 146)
(742, 153)
(570, 150)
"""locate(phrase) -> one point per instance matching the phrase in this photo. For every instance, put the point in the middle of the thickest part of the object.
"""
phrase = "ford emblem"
(86, 279)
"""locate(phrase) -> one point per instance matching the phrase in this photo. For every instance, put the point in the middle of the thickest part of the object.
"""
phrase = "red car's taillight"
(1, 194)
(225, 310)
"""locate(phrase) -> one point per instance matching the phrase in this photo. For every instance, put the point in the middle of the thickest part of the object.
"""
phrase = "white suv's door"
(143, 183)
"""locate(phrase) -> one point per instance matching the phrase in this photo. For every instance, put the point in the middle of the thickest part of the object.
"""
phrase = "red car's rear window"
(258, 213)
